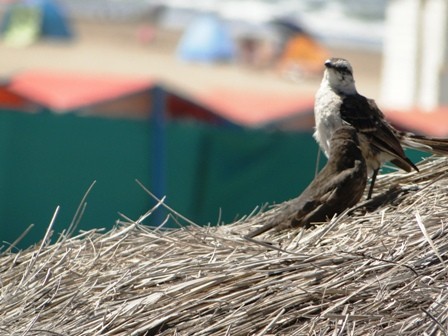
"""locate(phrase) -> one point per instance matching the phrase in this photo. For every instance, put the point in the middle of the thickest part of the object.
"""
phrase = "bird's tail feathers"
(424, 143)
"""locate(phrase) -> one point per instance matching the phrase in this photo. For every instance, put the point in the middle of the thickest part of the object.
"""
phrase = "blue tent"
(206, 40)
(34, 19)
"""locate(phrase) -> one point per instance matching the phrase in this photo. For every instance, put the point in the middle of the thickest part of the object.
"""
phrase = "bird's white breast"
(327, 116)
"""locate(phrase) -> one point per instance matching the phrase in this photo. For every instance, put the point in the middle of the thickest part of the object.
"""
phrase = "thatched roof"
(378, 273)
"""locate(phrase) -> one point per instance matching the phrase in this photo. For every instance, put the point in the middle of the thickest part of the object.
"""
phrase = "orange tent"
(302, 56)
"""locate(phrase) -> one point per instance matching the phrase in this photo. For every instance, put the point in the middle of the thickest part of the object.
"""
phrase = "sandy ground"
(114, 49)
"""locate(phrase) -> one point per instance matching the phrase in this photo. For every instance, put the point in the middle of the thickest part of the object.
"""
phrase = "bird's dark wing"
(339, 185)
(316, 210)
(367, 118)
(331, 195)
(317, 201)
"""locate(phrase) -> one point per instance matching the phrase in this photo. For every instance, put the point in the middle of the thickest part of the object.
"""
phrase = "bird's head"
(339, 74)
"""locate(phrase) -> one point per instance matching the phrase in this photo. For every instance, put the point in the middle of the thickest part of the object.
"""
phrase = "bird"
(338, 103)
(338, 186)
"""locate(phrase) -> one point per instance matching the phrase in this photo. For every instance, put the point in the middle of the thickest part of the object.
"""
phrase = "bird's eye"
(343, 69)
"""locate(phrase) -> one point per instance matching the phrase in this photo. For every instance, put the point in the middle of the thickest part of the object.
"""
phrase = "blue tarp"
(207, 39)
(54, 21)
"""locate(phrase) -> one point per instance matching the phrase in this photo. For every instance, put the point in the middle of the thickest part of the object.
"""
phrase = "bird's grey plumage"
(338, 103)
(338, 186)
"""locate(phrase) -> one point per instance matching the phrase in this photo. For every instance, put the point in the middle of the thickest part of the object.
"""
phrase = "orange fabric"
(10, 99)
(63, 91)
(304, 52)
(432, 123)
(255, 108)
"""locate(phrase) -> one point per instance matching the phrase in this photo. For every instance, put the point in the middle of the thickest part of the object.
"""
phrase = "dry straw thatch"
(378, 273)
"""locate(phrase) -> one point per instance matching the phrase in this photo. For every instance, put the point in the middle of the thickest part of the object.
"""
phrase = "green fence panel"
(248, 168)
(50, 161)
(213, 175)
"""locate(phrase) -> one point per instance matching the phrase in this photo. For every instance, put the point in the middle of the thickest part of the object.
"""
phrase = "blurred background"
(206, 102)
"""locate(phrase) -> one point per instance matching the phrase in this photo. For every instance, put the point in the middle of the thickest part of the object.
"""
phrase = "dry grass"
(380, 273)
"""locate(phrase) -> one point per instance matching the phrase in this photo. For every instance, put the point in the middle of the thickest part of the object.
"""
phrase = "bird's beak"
(328, 64)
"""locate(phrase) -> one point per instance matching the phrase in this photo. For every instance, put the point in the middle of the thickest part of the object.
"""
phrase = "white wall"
(415, 63)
